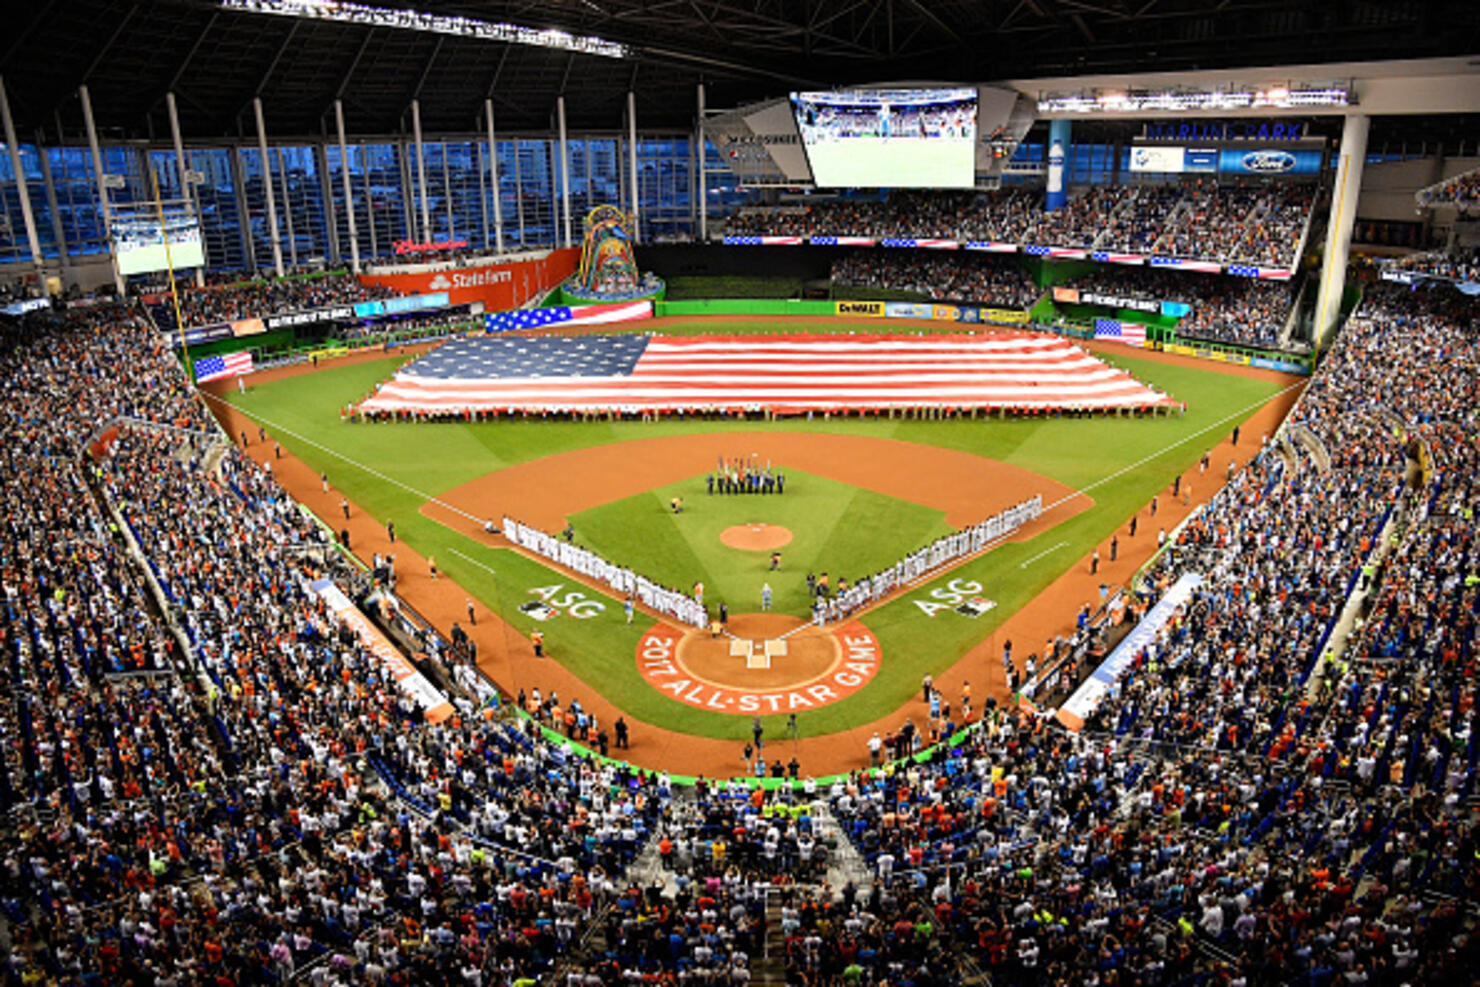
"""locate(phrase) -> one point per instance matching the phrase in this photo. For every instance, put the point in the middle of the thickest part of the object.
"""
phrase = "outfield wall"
(744, 306)
(670, 260)
(498, 285)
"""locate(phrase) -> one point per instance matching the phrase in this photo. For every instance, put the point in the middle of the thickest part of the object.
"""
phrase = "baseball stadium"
(860, 492)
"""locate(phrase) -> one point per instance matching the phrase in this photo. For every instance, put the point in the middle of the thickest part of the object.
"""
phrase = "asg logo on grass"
(1269, 162)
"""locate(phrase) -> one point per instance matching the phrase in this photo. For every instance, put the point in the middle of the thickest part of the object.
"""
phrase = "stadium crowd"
(1234, 223)
(1229, 309)
(1462, 264)
(1006, 215)
(264, 296)
(1461, 190)
(940, 276)
(263, 803)
(1244, 807)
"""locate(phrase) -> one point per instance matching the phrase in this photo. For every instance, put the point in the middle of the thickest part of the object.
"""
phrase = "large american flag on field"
(784, 373)
(209, 368)
(1116, 331)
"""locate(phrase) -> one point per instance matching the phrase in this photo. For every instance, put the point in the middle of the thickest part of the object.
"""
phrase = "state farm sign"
(497, 286)
(446, 280)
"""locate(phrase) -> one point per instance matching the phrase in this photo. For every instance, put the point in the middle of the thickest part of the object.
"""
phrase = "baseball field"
(859, 494)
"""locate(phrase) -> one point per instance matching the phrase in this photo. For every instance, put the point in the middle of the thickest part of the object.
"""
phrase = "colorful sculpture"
(608, 270)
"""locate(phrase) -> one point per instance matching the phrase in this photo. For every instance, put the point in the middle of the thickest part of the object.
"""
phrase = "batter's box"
(776, 648)
(740, 648)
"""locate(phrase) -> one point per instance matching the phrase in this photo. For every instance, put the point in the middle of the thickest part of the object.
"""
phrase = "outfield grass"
(1126, 460)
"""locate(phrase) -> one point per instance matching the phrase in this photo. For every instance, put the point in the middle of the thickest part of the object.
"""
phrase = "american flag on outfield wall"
(841, 241)
(1130, 333)
(1255, 271)
(791, 373)
(566, 315)
(1105, 257)
(1067, 253)
(209, 368)
(1201, 266)
(759, 240)
(909, 241)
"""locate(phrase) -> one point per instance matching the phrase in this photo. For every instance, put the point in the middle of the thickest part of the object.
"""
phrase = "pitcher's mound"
(756, 537)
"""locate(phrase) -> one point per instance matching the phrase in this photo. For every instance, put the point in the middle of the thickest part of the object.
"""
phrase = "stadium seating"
(259, 807)
(1238, 782)
(1462, 191)
(261, 297)
(1462, 264)
(1228, 223)
(1243, 311)
(987, 280)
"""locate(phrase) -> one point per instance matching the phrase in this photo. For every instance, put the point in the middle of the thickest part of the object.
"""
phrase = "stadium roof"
(217, 58)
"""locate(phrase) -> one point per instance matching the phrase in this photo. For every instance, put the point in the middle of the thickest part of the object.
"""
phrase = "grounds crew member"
(537, 639)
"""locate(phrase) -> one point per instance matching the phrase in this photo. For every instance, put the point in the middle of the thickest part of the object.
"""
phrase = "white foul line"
(1162, 452)
(464, 555)
(1046, 551)
(339, 455)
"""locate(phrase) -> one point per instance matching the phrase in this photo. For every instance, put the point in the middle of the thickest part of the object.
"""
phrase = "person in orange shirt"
(537, 639)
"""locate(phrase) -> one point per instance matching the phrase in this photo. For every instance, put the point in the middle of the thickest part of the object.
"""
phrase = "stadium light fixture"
(344, 12)
(1182, 100)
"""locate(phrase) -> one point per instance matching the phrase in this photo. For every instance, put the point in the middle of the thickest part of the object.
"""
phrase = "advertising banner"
(26, 305)
(945, 313)
(1008, 315)
(1203, 160)
(414, 303)
(1092, 691)
(201, 334)
(969, 313)
(287, 320)
(1069, 296)
(247, 327)
(907, 310)
(368, 310)
(498, 286)
(872, 310)
(1176, 310)
(1280, 365)
(1269, 161)
(1119, 301)
(431, 700)
(1157, 159)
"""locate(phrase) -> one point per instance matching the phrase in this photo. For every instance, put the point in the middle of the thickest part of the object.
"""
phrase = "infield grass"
(391, 469)
(836, 528)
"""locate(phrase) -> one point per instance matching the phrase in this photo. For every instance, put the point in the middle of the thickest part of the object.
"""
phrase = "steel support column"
(20, 178)
(272, 222)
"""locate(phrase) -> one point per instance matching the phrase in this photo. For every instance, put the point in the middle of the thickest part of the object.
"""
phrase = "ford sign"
(1269, 162)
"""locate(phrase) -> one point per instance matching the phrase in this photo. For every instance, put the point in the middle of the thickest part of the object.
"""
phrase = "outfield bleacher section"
(1250, 230)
